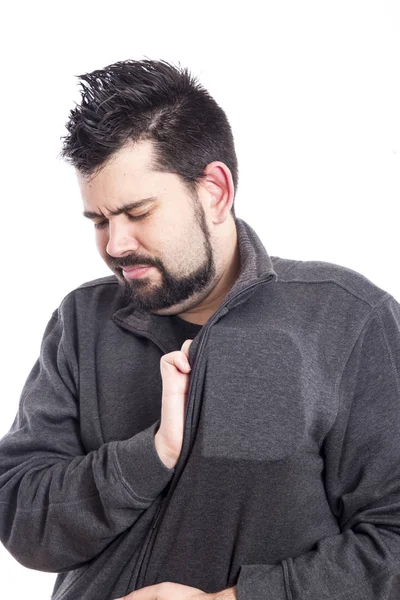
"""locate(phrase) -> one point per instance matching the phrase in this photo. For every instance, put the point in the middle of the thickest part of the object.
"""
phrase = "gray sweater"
(288, 484)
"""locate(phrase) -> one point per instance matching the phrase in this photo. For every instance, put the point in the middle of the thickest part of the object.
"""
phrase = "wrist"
(168, 460)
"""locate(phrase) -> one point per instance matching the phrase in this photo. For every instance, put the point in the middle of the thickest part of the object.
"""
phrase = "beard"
(143, 295)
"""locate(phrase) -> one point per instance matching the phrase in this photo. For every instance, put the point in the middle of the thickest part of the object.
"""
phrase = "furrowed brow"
(92, 215)
(122, 209)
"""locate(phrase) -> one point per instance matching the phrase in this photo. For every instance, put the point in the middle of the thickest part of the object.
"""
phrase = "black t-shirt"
(184, 330)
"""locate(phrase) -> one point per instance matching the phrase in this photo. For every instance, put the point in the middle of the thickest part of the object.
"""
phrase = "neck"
(200, 313)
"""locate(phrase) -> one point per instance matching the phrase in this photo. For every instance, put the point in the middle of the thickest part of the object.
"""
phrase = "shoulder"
(104, 295)
(320, 274)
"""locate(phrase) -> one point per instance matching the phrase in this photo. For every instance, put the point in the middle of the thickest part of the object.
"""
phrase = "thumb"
(185, 347)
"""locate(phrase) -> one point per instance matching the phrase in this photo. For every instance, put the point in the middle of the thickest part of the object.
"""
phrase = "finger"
(176, 359)
(185, 347)
(185, 352)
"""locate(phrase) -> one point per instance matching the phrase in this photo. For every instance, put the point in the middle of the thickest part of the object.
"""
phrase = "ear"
(218, 184)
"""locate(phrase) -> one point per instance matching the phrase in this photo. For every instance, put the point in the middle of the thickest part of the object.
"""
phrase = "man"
(209, 421)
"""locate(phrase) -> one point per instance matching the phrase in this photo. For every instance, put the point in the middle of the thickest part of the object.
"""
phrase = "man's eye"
(138, 217)
(103, 224)
(100, 224)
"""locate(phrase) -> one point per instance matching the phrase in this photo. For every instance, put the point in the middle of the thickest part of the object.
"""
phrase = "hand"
(167, 591)
(175, 369)
(177, 591)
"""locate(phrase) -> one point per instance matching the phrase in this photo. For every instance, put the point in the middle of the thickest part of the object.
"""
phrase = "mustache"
(126, 261)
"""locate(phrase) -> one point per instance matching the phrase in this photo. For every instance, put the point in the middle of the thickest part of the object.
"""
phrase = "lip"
(136, 271)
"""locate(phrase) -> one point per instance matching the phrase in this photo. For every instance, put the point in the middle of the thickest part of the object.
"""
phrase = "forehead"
(127, 177)
(129, 166)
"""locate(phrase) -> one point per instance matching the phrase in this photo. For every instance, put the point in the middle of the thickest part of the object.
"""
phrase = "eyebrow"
(122, 209)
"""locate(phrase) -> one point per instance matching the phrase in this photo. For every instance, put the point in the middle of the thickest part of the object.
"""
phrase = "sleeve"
(60, 506)
(362, 480)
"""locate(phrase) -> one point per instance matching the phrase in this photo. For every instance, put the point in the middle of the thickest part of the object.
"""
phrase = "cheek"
(101, 238)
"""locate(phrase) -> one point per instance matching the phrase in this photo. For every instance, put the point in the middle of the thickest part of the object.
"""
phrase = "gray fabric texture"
(288, 484)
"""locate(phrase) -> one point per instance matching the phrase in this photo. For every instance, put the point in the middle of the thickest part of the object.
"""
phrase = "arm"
(362, 479)
(59, 507)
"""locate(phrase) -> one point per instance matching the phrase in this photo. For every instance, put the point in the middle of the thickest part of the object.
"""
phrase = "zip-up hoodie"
(288, 483)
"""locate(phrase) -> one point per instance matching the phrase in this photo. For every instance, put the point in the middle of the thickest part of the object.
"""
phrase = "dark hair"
(149, 100)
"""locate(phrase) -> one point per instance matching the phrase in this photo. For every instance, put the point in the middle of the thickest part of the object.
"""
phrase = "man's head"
(146, 129)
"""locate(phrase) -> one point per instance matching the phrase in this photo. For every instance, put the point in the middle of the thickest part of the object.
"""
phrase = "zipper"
(157, 513)
(141, 572)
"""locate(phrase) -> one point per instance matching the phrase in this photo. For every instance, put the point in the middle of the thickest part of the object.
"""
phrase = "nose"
(121, 239)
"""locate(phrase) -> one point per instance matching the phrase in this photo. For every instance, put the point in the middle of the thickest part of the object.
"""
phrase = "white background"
(311, 89)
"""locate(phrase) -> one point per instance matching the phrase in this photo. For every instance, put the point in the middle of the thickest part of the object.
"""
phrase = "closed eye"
(137, 218)
(103, 224)
(100, 224)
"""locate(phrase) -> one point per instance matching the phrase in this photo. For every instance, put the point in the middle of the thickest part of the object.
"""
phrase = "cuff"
(140, 466)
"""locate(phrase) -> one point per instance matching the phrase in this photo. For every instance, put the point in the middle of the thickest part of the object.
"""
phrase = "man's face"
(168, 234)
